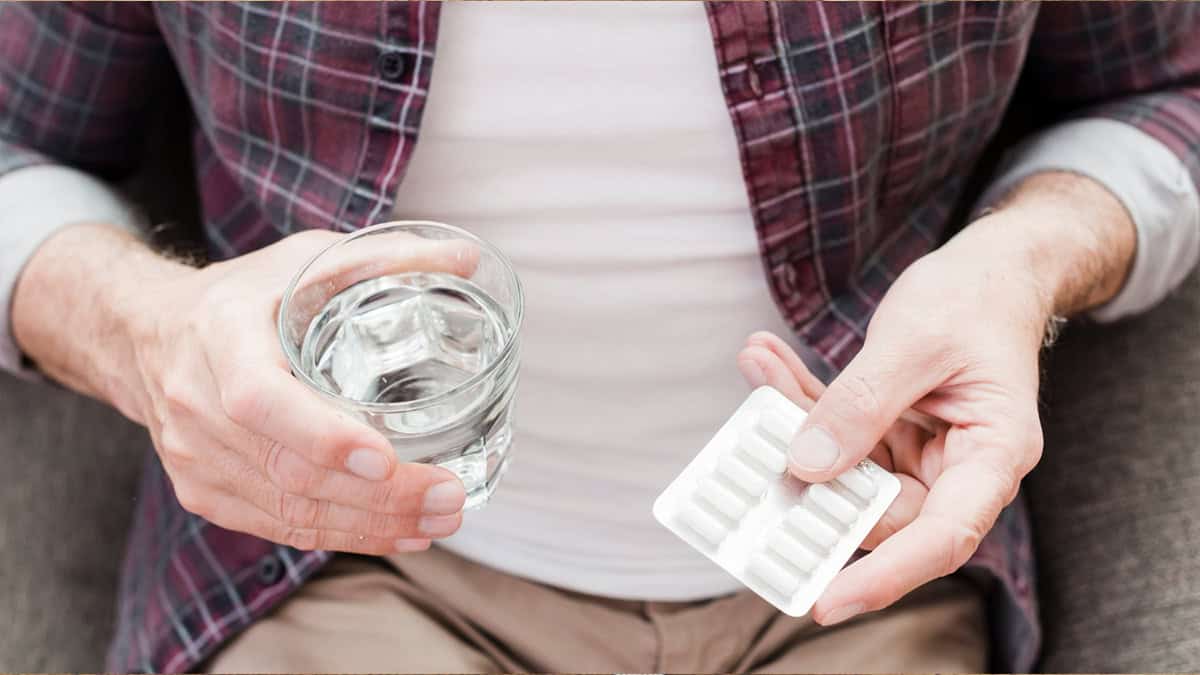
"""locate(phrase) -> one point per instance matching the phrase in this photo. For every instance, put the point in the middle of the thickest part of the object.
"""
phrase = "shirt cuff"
(1148, 179)
(35, 202)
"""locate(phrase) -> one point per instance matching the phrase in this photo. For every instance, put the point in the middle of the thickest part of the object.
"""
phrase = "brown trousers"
(436, 612)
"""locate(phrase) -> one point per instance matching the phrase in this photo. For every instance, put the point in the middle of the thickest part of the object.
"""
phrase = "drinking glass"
(413, 327)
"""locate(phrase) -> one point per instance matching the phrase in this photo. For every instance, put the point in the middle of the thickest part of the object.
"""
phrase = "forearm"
(1079, 239)
(1056, 245)
(72, 308)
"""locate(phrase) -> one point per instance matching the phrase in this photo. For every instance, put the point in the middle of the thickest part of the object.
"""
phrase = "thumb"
(855, 411)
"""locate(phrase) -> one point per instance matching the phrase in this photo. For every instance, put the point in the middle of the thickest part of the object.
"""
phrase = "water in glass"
(408, 337)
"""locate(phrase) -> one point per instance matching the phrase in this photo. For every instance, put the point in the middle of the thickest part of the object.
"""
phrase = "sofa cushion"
(1116, 498)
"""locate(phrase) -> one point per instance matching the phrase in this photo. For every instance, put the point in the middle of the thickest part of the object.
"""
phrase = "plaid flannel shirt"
(857, 123)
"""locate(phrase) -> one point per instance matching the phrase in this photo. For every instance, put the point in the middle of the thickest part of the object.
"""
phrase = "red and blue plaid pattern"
(858, 126)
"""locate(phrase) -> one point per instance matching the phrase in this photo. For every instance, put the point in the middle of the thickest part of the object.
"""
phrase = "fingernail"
(813, 450)
(444, 498)
(842, 613)
(411, 545)
(752, 373)
(437, 526)
(367, 463)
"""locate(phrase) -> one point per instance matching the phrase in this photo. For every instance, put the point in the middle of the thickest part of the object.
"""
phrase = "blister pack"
(783, 538)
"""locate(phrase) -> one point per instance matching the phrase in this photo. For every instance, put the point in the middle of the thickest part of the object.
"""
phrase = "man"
(593, 144)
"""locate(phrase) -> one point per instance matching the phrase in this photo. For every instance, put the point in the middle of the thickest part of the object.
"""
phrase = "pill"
(724, 499)
(813, 528)
(832, 503)
(704, 523)
(792, 550)
(775, 574)
(777, 426)
(763, 452)
(858, 483)
(783, 537)
(748, 480)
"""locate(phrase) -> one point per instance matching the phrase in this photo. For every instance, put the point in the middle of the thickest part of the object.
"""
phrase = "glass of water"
(413, 327)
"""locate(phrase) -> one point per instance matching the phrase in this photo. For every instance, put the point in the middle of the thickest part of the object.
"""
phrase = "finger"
(917, 453)
(305, 513)
(264, 399)
(882, 455)
(809, 383)
(402, 252)
(412, 488)
(759, 367)
(855, 411)
(240, 516)
(418, 500)
(902, 511)
(959, 509)
(377, 256)
(814, 387)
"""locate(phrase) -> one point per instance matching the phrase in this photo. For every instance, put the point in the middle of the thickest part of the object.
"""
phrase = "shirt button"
(270, 570)
(391, 65)
(753, 79)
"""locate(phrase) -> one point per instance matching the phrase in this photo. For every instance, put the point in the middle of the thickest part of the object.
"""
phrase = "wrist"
(1075, 236)
(75, 310)
(134, 307)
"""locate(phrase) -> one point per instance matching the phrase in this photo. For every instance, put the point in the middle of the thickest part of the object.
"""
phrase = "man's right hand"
(194, 355)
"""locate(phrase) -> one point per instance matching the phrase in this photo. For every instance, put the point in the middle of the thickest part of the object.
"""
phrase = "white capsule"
(724, 499)
(832, 503)
(748, 480)
(858, 483)
(792, 550)
(779, 427)
(763, 452)
(812, 527)
(775, 574)
(704, 523)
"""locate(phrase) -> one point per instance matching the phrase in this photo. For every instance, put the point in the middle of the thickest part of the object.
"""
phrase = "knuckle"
(383, 525)
(294, 477)
(305, 241)
(172, 446)
(246, 404)
(304, 539)
(887, 526)
(1009, 482)
(386, 498)
(179, 394)
(300, 512)
(273, 458)
(195, 321)
(1033, 446)
(191, 499)
(857, 399)
(964, 540)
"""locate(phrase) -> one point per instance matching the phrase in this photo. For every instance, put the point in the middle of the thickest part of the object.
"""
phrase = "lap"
(434, 611)
(353, 617)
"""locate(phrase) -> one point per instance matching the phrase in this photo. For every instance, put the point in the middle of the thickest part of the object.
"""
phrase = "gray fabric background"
(1116, 499)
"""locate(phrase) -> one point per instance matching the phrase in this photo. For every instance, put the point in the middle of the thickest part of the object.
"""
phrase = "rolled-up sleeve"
(76, 80)
(1123, 81)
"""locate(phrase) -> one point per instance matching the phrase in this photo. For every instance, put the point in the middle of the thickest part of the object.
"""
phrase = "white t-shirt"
(592, 144)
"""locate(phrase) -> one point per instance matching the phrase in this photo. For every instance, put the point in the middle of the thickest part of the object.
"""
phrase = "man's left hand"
(944, 392)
